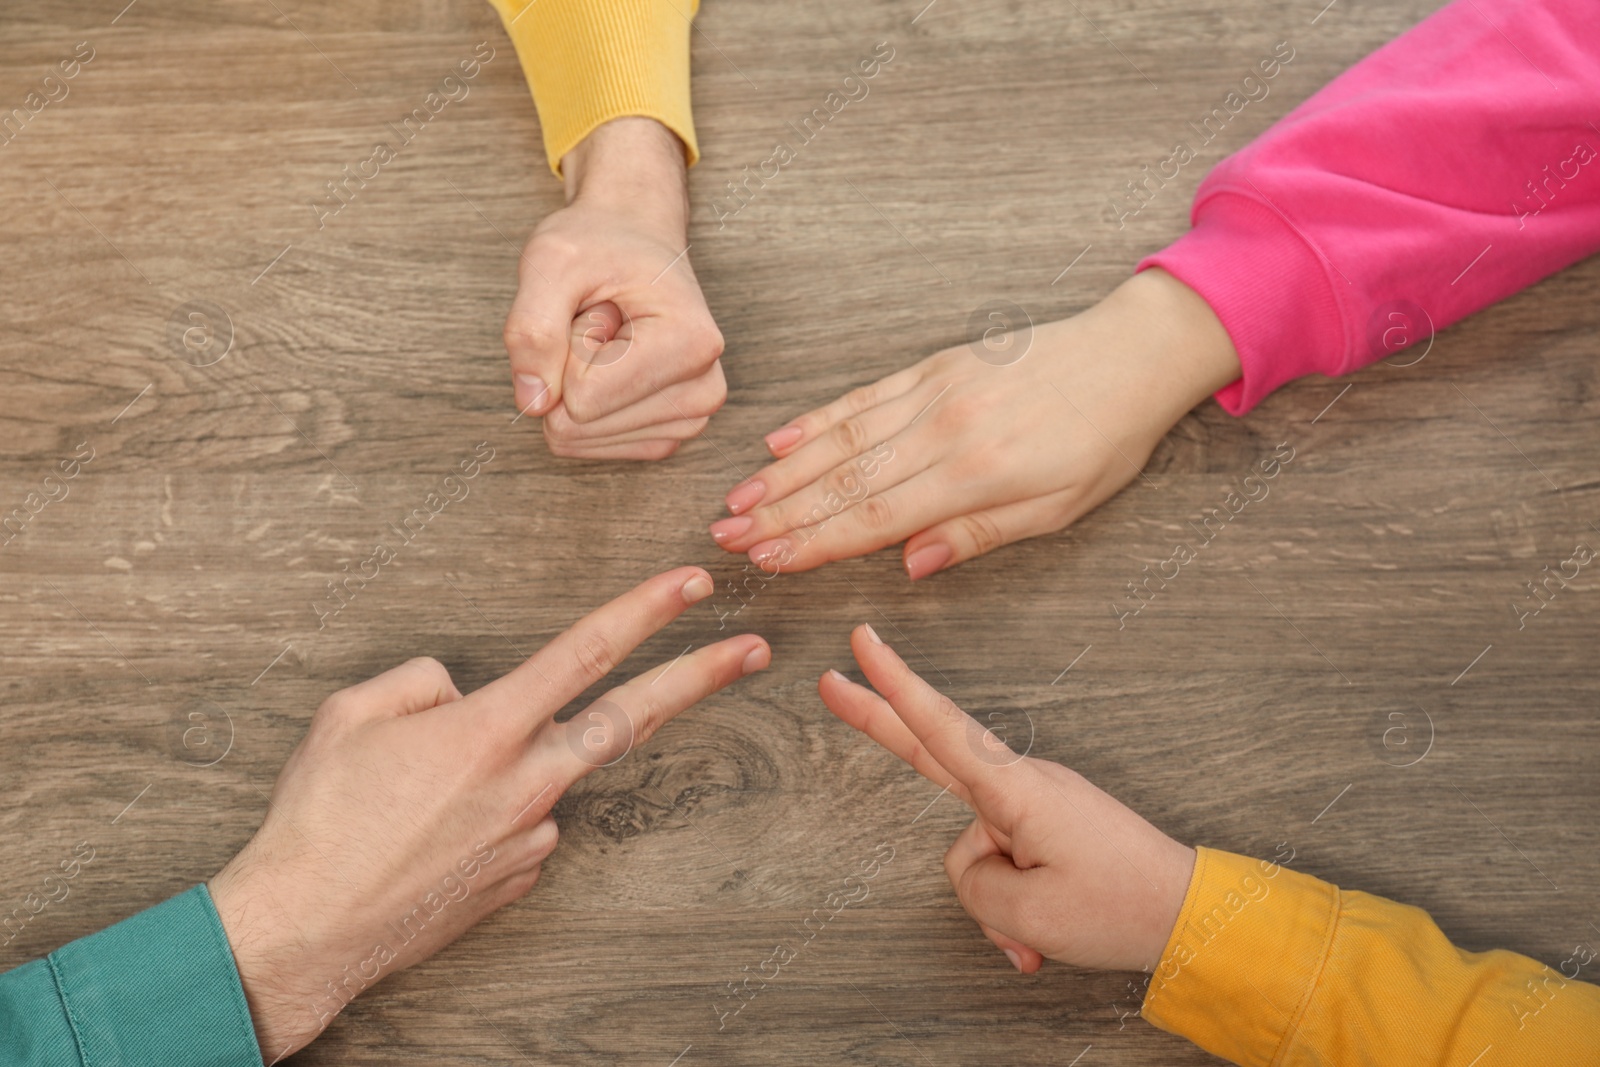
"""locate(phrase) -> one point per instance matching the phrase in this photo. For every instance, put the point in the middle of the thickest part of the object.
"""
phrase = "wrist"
(1174, 874)
(1175, 339)
(268, 952)
(633, 165)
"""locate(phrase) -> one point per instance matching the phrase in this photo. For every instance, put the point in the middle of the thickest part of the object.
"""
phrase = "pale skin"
(984, 455)
(1050, 866)
(610, 338)
(401, 783)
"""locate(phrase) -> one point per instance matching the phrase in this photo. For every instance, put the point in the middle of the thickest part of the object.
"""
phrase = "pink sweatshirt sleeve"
(1452, 167)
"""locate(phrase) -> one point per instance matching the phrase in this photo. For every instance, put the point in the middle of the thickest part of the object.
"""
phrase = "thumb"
(538, 336)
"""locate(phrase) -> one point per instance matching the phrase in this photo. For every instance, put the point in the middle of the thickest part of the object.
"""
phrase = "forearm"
(1447, 170)
(1269, 966)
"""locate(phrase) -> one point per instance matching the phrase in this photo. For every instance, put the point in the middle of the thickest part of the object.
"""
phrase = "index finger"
(592, 647)
(868, 712)
(972, 755)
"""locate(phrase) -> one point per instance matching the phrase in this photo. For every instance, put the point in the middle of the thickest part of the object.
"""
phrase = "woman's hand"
(962, 456)
(1051, 867)
(610, 338)
(409, 812)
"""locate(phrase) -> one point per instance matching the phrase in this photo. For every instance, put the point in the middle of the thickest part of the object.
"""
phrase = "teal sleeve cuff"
(157, 988)
(33, 1023)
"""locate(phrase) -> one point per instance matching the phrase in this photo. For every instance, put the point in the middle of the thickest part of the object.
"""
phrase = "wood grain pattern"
(179, 572)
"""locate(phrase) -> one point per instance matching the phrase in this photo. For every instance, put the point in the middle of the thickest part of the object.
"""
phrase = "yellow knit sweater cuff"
(591, 61)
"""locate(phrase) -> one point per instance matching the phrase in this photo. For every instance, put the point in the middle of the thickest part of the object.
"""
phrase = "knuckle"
(553, 247)
(983, 532)
(970, 891)
(430, 668)
(561, 432)
(960, 410)
(520, 885)
(876, 513)
(1063, 511)
(565, 447)
(857, 400)
(915, 756)
(842, 481)
(648, 717)
(584, 403)
(543, 839)
(597, 655)
(850, 436)
(709, 342)
(432, 677)
(337, 707)
(525, 333)
(952, 868)
(715, 397)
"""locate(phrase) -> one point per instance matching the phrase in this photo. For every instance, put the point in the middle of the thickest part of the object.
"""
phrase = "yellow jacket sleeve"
(1269, 966)
(590, 61)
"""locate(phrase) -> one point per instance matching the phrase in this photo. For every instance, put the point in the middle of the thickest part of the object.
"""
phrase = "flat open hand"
(409, 812)
(961, 455)
(1051, 867)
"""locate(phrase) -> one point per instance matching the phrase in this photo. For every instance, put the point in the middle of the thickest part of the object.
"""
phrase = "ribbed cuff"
(1244, 957)
(159, 987)
(591, 61)
(1272, 290)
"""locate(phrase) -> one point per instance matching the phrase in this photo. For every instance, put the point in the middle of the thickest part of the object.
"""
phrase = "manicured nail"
(778, 440)
(867, 626)
(767, 551)
(745, 495)
(532, 393)
(727, 529)
(1016, 960)
(927, 559)
(696, 589)
(757, 658)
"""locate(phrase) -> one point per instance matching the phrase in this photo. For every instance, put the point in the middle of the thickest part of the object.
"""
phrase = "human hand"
(962, 456)
(409, 812)
(609, 336)
(1051, 867)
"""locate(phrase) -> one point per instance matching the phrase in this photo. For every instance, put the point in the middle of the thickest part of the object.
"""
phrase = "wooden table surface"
(1253, 706)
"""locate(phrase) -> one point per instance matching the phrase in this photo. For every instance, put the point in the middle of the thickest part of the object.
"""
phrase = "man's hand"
(974, 448)
(409, 812)
(610, 337)
(1051, 867)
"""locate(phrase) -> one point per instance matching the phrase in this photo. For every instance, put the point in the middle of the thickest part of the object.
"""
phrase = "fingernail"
(727, 529)
(1016, 960)
(836, 676)
(768, 551)
(778, 440)
(696, 589)
(757, 658)
(927, 559)
(867, 626)
(531, 393)
(745, 495)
